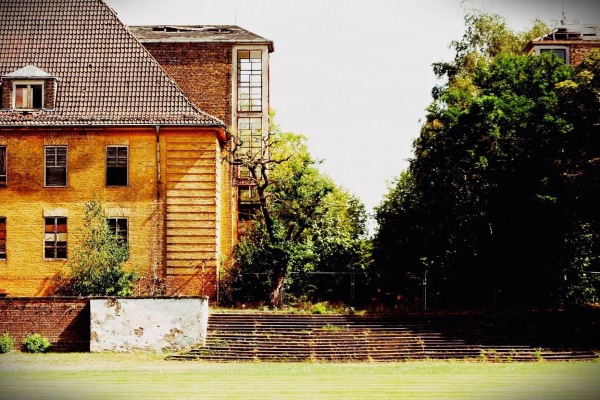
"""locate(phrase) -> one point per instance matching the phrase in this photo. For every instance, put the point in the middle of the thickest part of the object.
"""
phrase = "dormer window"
(29, 89)
(28, 96)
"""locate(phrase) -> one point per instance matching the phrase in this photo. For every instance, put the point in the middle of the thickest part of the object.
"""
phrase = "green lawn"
(145, 376)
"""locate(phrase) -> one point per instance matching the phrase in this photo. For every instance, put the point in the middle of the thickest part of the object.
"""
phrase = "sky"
(354, 76)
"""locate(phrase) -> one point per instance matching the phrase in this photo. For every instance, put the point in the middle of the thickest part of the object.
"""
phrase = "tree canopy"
(497, 202)
(306, 224)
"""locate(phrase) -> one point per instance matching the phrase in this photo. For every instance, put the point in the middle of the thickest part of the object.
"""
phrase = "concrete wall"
(129, 324)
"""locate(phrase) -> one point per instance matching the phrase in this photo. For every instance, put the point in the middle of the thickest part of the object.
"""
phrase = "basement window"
(55, 237)
(28, 96)
(56, 166)
(117, 165)
(119, 226)
(2, 166)
(2, 238)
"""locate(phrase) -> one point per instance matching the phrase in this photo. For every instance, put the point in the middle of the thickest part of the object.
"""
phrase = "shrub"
(36, 343)
(6, 343)
(96, 262)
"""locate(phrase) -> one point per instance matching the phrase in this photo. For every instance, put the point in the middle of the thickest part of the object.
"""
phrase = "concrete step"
(337, 338)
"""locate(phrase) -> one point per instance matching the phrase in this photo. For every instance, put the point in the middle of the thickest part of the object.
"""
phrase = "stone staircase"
(243, 336)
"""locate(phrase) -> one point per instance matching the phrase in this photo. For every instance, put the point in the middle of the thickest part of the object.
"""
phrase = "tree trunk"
(276, 295)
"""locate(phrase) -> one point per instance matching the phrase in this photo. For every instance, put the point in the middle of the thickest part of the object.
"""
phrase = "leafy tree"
(503, 165)
(96, 263)
(305, 224)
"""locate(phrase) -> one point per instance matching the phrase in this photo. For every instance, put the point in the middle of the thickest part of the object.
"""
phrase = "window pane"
(118, 226)
(116, 165)
(2, 165)
(56, 176)
(61, 225)
(55, 237)
(50, 156)
(36, 91)
(20, 96)
(49, 225)
(2, 238)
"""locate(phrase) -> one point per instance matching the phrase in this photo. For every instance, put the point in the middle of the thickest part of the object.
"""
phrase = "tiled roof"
(198, 33)
(104, 74)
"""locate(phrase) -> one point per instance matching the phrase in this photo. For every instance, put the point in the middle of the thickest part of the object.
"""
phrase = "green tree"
(96, 263)
(502, 167)
(305, 224)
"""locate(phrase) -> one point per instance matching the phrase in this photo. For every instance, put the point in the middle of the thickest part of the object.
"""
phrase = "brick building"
(569, 42)
(224, 70)
(88, 112)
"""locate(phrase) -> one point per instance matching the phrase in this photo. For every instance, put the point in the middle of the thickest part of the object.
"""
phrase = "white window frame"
(29, 84)
(264, 113)
(538, 50)
(117, 219)
(57, 236)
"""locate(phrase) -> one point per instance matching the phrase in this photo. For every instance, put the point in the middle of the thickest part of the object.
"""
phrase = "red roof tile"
(104, 74)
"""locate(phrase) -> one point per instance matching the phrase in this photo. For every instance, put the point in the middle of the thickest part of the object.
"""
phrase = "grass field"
(147, 376)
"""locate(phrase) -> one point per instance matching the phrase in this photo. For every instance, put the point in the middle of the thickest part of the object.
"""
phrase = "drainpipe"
(157, 127)
(159, 213)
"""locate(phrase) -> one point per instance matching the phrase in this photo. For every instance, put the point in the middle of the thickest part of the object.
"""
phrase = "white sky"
(353, 76)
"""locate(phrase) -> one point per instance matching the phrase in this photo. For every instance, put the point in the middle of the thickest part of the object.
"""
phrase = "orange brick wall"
(143, 202)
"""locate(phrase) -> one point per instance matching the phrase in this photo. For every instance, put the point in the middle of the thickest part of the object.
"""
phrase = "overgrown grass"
(149, 376)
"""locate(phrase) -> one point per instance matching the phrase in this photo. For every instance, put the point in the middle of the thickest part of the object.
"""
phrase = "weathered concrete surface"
(130, 324)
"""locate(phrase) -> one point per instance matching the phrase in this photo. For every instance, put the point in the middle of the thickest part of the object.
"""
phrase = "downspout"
(159, 214)
(157, 127)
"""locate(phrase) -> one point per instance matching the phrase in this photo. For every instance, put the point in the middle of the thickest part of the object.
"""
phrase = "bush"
(6, 343)
(36, 343)
(96, 261)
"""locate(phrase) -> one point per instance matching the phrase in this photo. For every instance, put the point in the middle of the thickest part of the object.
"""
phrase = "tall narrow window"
(2, 165)
(2, 238)
(29, 96)
(248, 202)
(116, 165)
(119, 226)
(249, 80)
(250, 137)
(56, 166)
(55, 237)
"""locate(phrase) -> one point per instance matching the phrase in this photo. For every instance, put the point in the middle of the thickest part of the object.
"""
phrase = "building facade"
(224, 70)
(88, 113)
(571, 43)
